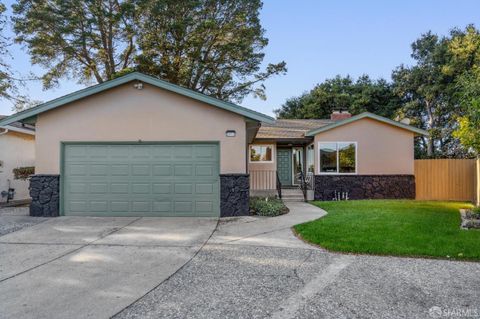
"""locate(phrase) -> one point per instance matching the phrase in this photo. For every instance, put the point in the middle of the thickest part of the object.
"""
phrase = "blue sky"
(320, 39)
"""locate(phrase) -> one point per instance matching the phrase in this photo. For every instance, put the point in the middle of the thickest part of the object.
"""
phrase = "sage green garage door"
(141, 180)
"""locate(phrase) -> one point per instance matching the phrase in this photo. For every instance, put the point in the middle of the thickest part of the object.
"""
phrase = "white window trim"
(302, 160)
(265, 145)
(338, 158)
(306, 157)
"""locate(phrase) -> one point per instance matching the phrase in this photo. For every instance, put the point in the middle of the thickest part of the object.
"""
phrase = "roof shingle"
(290, 128)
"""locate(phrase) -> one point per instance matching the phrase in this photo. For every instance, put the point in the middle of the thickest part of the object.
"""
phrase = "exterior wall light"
(231, 133)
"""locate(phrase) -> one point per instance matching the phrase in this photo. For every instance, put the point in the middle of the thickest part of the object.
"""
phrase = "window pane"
(328, 157)
(260, 153)
(267, 153)
(346, 156)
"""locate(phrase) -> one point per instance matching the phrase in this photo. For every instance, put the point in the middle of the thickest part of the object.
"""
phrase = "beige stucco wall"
(127, 114)
(263, 175)
(381, 148)
(16, 150)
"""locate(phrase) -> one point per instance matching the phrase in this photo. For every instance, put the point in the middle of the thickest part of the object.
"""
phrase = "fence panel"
(446, 179)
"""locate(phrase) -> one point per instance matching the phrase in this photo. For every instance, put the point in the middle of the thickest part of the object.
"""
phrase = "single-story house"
(17, 149)
(140, 146)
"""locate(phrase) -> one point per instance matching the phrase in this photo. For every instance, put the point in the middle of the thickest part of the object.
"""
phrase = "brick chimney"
(340, 115)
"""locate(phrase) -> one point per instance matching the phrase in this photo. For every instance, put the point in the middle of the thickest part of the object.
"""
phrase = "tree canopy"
(356, 96)
(465, 51)
(214, 47)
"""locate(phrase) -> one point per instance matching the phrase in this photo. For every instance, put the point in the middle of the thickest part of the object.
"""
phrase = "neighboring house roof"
(289, 128)
(18, 127)
(135, 76)
(385, 120)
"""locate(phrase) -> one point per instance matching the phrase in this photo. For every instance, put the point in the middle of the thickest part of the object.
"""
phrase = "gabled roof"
(135, 76)
(366, 115)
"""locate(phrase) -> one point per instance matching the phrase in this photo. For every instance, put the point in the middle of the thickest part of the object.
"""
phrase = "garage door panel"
(141, 180)
(75, 152)
(119, 206)
(140, 206)
(161, 188)
(205, 152)
(162, 170)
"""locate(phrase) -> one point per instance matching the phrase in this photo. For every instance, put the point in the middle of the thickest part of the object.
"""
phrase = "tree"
(358, 96)
(428, 93)
(465, 52)
(77, 39)
(468, 130)
(9, 83)
(214, 47)
(6, 83)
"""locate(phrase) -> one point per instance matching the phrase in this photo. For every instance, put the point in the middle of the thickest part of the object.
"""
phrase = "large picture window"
(338, 157)
(261, 153)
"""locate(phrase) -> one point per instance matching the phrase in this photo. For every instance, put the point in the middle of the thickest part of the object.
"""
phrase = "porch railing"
(279, 186)
(303, 184)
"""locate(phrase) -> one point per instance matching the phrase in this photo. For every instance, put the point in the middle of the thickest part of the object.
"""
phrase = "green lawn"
(393, 227)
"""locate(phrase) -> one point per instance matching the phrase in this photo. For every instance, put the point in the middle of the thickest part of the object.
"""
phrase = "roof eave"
(18, 129)
(413, 129)
(72, 97)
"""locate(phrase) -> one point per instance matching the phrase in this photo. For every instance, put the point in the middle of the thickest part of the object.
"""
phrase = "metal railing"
(303, 184)
(279, 187)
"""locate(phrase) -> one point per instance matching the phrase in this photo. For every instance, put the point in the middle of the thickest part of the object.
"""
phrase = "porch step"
(292, 195)
(292, 191)
(289, 200)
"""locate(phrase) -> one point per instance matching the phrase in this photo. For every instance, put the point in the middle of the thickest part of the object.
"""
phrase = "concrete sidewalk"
(266, 231)
(81, 267)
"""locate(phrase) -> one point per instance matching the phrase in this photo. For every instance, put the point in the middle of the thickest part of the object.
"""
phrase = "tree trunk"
(430, 124)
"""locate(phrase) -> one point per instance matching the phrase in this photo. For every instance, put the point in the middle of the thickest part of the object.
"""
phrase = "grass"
(393, 227)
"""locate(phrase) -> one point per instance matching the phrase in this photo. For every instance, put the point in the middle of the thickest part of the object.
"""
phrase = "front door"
(284, 165)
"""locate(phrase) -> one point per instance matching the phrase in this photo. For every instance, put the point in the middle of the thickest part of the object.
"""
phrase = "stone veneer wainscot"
(365, 186)
(45, 194)
(234, 194)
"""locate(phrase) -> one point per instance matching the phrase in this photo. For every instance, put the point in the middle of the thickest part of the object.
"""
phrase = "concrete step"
(285, 200)
(292, 195)
(292, 191)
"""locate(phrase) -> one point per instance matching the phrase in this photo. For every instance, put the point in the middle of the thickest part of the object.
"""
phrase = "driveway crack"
(173, 274)
(295, 271)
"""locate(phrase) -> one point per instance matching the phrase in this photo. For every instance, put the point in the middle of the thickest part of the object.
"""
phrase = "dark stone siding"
(365, 186)
(44, 190)
(234, 194)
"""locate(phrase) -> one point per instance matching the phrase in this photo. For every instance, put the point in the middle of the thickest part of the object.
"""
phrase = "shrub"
(23, 172)
(476, 212)
(267, 206)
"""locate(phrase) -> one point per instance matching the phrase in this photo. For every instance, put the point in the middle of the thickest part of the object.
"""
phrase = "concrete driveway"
(256, 268)
(77, 267)
(250, 267)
